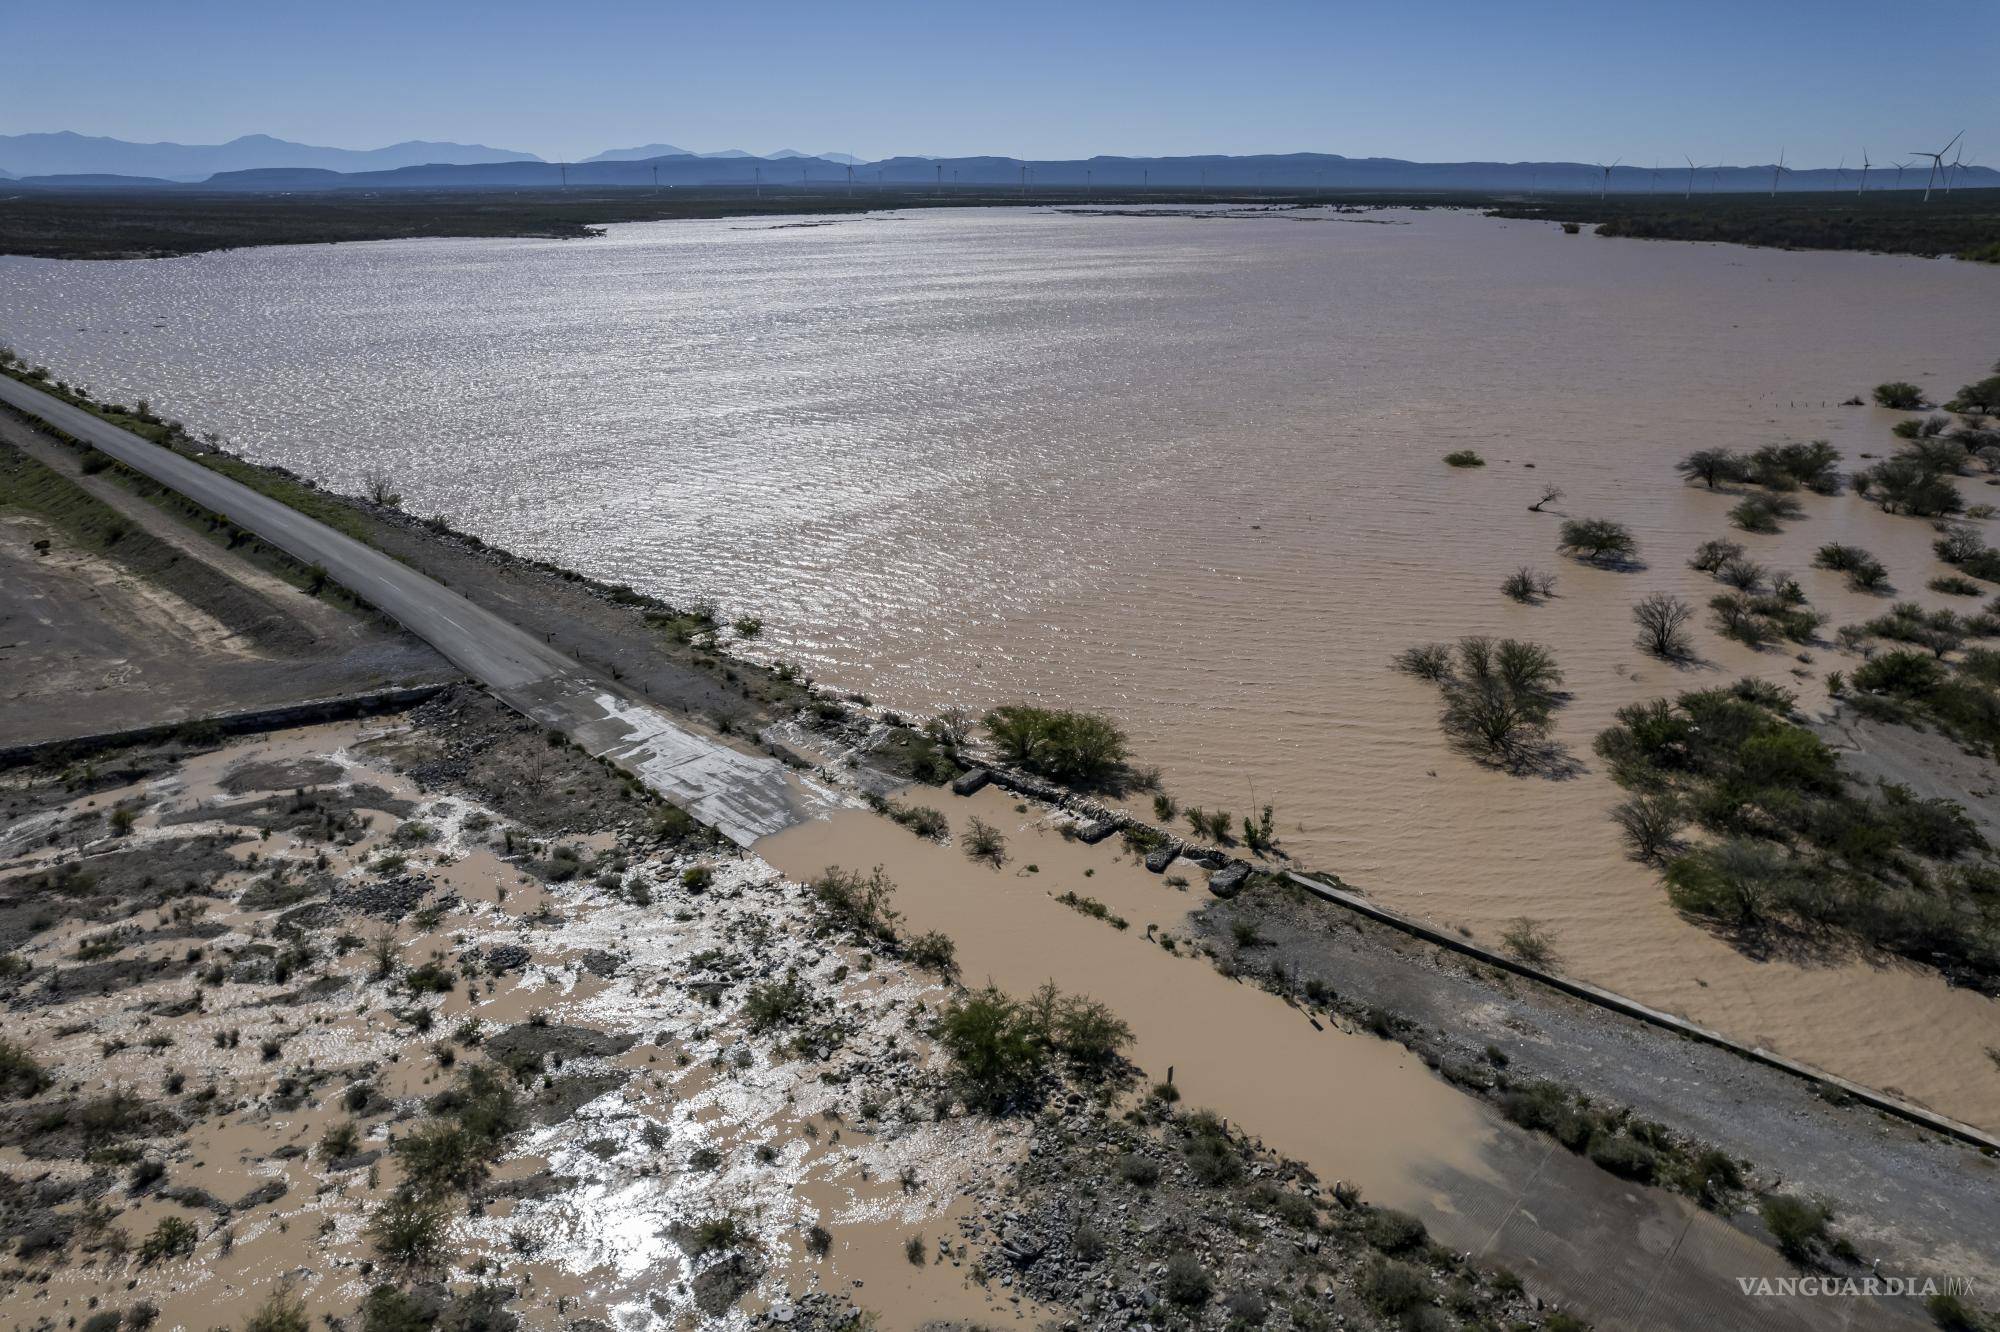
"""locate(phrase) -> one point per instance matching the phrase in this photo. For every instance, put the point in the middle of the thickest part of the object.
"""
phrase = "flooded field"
(1184, 470)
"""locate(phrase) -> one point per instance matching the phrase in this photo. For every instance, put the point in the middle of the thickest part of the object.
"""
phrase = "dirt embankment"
(115, 613)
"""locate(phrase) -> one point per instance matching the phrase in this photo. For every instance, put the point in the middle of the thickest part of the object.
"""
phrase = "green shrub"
(1392, 1288)
(1900, 395)
(174, 1237)
(281, 1311)
(1464, 458)
(1598, 540)
(409, 1229)
(1186, 1282)
(995, 1048)
(777, 1004)
(1080, 747)
(1800, 1226)
(20, 1075)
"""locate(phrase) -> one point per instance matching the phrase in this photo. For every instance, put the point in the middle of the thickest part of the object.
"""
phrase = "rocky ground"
(432, 1022)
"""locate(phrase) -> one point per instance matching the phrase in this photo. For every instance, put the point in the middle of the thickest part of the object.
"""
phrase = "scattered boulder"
(267, 1192)
(966, 783)
(1092, 831)
(718, 1286)
(1229, 880)
(1163, 855)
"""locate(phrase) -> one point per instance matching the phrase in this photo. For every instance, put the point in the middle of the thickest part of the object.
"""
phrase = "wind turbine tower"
(1937, 163)
(1690, 189)
(1865, 164)
(1605, 184)
(1777, 171)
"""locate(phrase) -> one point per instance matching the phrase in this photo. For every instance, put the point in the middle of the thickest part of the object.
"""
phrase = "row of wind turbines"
(1940, 169)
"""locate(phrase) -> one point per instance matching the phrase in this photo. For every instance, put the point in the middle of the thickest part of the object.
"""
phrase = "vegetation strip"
(1632, 1008)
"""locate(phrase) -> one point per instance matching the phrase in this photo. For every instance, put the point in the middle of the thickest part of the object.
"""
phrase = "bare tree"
(1651, 823)
(380, 488)
(1663, 620)
(1550, 494)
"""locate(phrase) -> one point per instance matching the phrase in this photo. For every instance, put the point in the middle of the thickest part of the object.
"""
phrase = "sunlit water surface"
(1184, 470)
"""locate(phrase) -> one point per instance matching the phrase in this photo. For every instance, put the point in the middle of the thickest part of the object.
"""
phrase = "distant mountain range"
(73, 155)
(77, 154)
(260, 163)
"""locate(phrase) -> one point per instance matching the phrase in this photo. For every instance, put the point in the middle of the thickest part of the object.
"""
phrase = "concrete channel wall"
(250, 721)
(1093, 813)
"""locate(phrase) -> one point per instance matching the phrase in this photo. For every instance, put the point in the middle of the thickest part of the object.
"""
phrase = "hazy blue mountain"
(6, 175)
(639, 154)
(103, 181)
(1265, 171)
(67, 153)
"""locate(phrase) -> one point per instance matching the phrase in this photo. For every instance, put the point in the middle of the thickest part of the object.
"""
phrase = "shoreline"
(114, 226)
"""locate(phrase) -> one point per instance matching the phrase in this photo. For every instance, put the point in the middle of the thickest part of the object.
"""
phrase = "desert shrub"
(1786, 466)
(1393, 1289)
(1905, 484)
(340, 1140)
(1140, 1170)
(1900, 395)
(1212, 1157)
(996, 1049)
(20, 1075)
(1800, 1226)
(1528, 940)
(173, 1237)
(1713, 467)
(1663, 619)
(1464, 458)
(1710, 556)
(1186, 1282)
(1741, 574)
(1955, 585)
(282, 1311)
(409, 1229)
(440, 1156)
(1527, 586)
(1066, 746)
(1763, 513)
(1651, 822)
(933, 951)
(1623, 1156)
(984, 842)
(1598, 540)
(857, 904)
(1426, 661)
(1953, 1314)
(1979, 398)
(1864, 572)
(1394, 1232)
(777, 1003)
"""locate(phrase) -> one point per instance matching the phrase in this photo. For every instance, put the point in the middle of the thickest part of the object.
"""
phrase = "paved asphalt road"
(744, 795)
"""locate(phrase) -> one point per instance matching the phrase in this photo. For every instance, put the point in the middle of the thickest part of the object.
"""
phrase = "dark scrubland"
(106, 224)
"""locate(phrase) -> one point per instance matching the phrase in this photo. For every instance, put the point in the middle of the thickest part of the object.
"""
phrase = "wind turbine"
(1840, 174)
(1777, 171)
(1952, 174)
(1900, 168)
(1937, 162)
(1690, 188)
(1605, 184)
(1865, 164)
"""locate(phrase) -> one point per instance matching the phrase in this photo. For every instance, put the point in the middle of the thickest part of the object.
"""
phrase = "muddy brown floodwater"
(1183, 470)
(1233, 1048)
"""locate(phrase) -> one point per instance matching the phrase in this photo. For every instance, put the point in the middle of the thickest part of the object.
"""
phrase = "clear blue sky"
(1443, 79)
